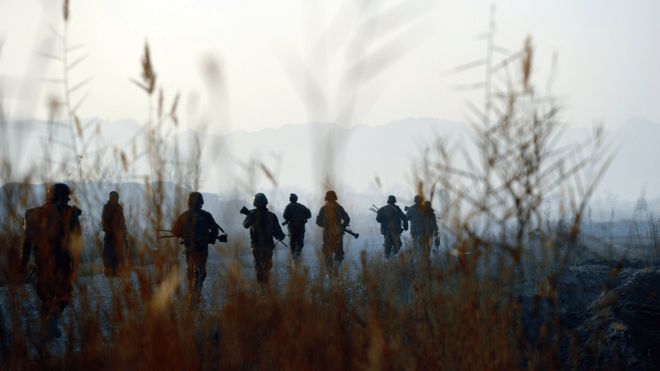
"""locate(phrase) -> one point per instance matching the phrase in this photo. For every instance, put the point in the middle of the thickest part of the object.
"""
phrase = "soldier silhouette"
(114, 228)
(414, 215)
(392, 223)
(197, 229)
(334, 220)
(54, 233)
(430, 224)
(263, 226)
(295, 218)
(423, 224)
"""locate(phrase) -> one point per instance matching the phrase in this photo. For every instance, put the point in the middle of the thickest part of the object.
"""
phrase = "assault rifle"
(348, 230)
(245, 211)
(221, 238)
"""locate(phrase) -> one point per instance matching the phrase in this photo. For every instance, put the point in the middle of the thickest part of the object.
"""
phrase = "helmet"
(293, 197)
(330, 196)
(195, 200)
(391, 199)
(114, 196)
(418, 199)
(59, 192)
(260, 200)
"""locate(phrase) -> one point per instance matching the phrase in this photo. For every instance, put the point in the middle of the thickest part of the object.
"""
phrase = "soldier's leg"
(200, 269)
(426, 246)
(292, 240)
(107, 255)
(257, 264)
(417, 245)
(54, 290)
(396, 243)
(339, 255)
(327, 251)
(387, 244)
(260, 263)
(44, 290)
(190, 269)
(267, 262)
(300, 239)
(118, 249)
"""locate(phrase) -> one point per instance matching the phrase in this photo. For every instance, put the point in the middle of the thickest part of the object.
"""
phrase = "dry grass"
(459, 310)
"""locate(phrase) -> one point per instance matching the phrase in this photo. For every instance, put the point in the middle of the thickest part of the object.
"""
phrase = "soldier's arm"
(105, 219)
(404, 219)
(345, 217)
(249, 220)
(122, 218)
(308, 213)
(320, 218)
(177, 226)
(277, 230)
(287, 213)
(215, 231)
(76, 239)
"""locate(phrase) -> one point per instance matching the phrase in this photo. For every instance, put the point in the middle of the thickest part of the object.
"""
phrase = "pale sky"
(608, 67)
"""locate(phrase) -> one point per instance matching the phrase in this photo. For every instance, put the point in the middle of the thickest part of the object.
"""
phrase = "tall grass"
(462, 309)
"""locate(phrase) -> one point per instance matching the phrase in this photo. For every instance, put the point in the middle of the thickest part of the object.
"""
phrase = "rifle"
(349, 231)
(221, 238)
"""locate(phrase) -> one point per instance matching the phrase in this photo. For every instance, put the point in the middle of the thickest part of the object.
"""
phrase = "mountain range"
(364, 159)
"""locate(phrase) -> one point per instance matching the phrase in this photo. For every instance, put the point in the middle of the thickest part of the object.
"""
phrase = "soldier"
(53, 231)
(197, 229)
(430, 224)
(114, 241)
(423, 224)
(334, 220)
(414, 215)
(263, 227)
(295, 217)
(392, 222)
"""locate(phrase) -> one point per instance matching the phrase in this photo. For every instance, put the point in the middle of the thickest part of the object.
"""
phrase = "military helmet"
(58, 192)
(391, 199)
(260, 200)
(330, 196)
(195, 199)
(418, 199)
(293, 197)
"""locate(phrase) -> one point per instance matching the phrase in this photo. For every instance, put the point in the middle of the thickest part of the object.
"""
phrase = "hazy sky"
(608, 54)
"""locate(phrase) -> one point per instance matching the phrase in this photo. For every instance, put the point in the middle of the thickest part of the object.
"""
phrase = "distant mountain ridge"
(366, 157)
